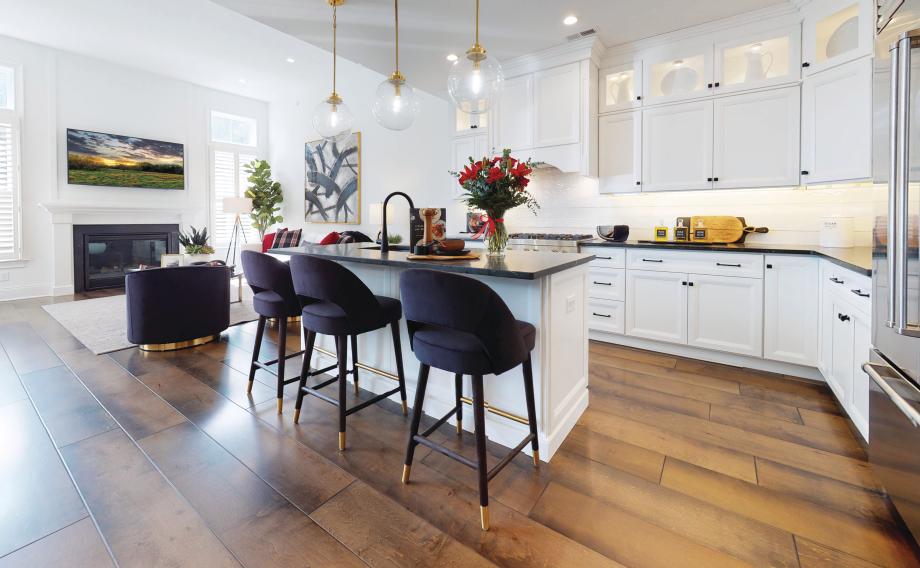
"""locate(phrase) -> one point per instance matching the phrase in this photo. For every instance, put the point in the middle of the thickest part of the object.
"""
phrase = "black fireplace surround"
(103, 254)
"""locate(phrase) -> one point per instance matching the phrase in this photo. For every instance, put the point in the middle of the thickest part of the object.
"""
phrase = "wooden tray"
(470, 256)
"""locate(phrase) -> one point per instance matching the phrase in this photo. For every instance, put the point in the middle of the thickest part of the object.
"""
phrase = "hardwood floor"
(148, 459)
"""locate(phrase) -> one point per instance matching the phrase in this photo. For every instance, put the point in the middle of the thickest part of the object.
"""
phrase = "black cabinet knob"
(804, 172)
(708, 179)
(638, 98)
(769, 266)
(709, 86)
(638, 183)
(843, 317)
(715, 179)
(806, 64)
(717, 84)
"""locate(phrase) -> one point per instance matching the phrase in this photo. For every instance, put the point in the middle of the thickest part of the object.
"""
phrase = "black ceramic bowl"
(613, 233)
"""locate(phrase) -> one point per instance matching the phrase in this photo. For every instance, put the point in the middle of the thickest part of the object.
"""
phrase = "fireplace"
(103, 254)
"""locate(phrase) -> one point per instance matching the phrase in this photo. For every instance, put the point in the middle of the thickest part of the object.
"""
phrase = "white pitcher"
(758, 65)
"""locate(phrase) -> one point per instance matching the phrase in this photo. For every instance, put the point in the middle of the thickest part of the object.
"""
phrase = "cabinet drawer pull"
(836, 280)
(604, 257)
(602, 315)
(843, 317)
(860, 293)
(603, 283)
(726, 264)
(652, 260)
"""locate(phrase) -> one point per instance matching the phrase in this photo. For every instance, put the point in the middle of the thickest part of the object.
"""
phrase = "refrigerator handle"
(894, 175)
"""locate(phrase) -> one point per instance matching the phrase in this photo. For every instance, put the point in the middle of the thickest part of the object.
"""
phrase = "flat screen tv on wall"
(111, 160)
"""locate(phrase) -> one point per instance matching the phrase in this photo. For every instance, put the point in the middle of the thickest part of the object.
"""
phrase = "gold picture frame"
(332, 181)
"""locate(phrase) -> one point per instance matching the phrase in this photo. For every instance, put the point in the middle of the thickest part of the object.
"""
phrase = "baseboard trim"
(25, 292)
(811, 373)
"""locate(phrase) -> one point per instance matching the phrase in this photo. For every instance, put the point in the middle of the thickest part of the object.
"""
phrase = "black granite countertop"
(857, 259)
(516, 264)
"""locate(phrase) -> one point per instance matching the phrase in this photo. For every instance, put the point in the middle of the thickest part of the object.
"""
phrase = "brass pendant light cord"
(477, 22)
(334, 25)
(396, 13)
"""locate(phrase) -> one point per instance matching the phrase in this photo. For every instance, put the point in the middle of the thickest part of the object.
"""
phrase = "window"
(230, 129)
(233, 145)
(9, 167)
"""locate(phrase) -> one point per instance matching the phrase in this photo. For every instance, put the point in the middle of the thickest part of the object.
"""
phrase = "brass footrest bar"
(382, 373)
(175, 345)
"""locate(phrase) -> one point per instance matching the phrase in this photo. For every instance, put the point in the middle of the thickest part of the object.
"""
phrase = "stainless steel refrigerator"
(894, 397)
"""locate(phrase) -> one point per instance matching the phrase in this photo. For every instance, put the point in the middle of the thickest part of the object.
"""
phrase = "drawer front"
(607, 283)
(851, 286)
(606, 257)
(605, 315)
(747, 265)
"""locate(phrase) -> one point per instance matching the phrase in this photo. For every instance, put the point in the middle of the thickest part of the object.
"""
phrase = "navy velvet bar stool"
(335, 302)
(273, 298)
(460, 325)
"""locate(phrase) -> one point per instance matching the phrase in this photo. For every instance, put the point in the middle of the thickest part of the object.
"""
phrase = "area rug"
(101, 324)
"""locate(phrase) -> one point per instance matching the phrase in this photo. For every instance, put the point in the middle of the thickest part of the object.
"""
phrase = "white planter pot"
(190, 259)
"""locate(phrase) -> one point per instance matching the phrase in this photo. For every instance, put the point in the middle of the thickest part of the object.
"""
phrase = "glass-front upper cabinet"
(836, 31)
(620, 87)
(757, 60)
(465, 122)
(677, 72)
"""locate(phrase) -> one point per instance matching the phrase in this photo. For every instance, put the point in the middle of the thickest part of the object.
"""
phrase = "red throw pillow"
(267, 241)
(330, 239)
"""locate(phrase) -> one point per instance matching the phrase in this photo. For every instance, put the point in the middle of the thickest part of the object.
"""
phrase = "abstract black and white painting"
(332, 189)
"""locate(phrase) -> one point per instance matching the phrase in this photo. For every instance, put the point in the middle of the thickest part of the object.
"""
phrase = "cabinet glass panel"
(620, 88)
(836, 34)
(678, 77)
(757, 61)
(464, 121)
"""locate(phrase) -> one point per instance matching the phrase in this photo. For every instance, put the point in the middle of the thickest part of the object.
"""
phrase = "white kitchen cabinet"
(835, 32)
(725, 313)
(858, 406)
(466, 123)
(620, 152)
(756, 139)
(556, 106)
(790, 308)
(840, 378)
(837, 124)
(754, 60)
(656, 305)
(620, 87)
(514, 120)
(677, 147)
(677, 72)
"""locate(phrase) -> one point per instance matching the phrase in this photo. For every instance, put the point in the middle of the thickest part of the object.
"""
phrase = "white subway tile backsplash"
(571, 203)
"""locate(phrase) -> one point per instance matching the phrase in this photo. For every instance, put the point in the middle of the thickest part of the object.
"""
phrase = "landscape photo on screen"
(95, 158)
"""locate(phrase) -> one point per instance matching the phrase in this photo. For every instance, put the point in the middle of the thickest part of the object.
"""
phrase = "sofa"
(174, 308)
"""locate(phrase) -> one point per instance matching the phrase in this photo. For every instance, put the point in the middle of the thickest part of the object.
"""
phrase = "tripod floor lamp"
(236, 206)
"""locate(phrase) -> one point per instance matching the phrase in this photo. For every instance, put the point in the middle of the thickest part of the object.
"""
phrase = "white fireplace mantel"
(66, 214)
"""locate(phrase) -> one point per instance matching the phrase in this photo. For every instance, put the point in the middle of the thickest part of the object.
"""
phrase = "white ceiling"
(430, 29)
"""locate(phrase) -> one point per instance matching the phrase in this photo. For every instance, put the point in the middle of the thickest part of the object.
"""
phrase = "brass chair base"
(341, 441)
(484, 517)
(249, 388)
(405, 475)
(536, 458)
(405, 407)
(280, 405)
(459, 427)
(296, 415)
(176, 345)
(292, 319)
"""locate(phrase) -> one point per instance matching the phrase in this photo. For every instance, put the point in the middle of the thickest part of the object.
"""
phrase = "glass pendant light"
(332, 119)
(475, 81)
(395, 104)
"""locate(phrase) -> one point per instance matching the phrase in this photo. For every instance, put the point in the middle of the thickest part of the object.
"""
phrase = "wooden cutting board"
(719, 228)
(470, 256)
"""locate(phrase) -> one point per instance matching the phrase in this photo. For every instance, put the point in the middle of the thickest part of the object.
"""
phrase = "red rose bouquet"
(495, 186)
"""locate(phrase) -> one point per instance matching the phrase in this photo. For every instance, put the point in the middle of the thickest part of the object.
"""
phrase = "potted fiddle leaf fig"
(195, 243)
(266, 196)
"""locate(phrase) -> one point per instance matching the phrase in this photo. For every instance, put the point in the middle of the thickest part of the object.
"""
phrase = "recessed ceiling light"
(242, 81)
(570, 20)
(290, 60)
(452, 57)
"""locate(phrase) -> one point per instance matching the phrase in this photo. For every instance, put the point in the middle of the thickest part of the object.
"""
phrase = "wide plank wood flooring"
(164, 459)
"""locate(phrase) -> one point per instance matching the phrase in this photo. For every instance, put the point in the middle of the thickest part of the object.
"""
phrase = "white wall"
(414, 160)
(571, 203)
(63, 90)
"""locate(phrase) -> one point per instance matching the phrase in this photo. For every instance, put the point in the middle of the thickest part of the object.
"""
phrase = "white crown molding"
(589, 48)
(782, 13)
(63, 212)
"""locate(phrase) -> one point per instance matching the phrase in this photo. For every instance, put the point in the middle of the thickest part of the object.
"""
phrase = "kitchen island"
(548, 290)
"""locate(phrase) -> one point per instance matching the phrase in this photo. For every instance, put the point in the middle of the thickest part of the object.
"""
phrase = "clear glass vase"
(497, 239)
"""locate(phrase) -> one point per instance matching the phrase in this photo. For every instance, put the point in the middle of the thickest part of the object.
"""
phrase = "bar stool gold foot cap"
(280, 405)
(459, 427)
(484, 517)
(356, 387)
(296, 415)
(405, 476)
(249, 387)
(341, 441)
(536, 458)
(405, 407)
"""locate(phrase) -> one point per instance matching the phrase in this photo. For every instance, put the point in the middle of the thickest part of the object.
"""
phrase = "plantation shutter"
(9, 190)
(228, 180)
